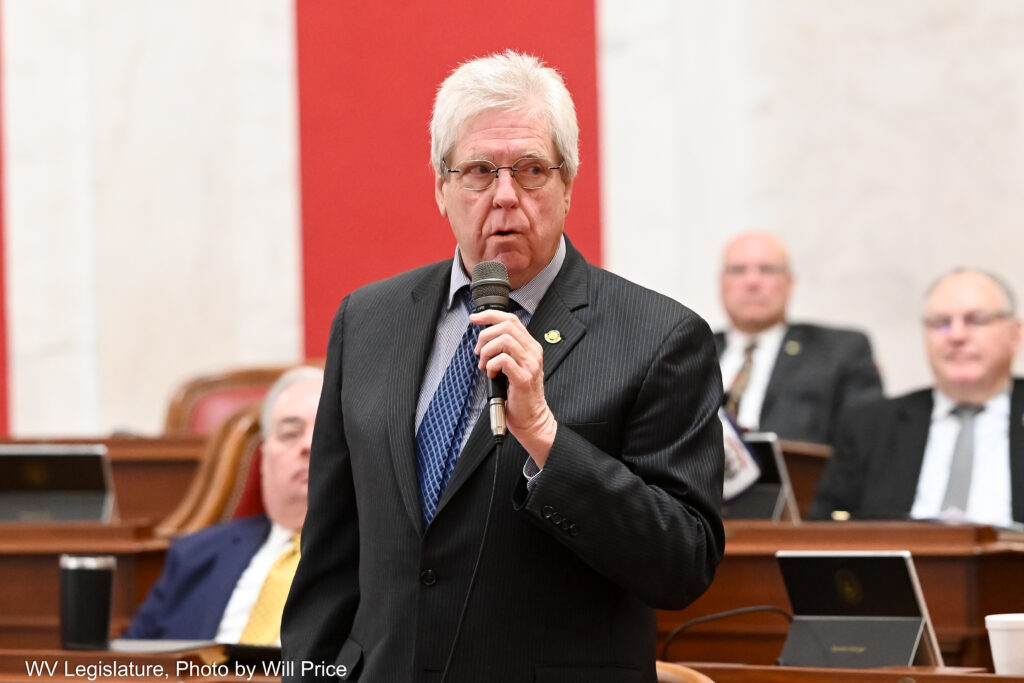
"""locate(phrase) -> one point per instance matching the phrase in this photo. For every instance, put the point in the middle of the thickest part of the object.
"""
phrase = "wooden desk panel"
(733, 673)
(14, 664)
(805, 463)
(965, 572)
(30, 575)
(151, 475)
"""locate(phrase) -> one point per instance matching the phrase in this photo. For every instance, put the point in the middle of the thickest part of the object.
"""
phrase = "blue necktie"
(439, 437)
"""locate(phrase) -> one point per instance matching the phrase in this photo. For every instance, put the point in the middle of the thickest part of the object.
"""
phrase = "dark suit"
(624, 517)
(877, 462)
(199, 575)
(819, 372)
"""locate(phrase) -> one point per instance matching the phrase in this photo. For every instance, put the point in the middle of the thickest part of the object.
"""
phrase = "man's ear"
(440, 186)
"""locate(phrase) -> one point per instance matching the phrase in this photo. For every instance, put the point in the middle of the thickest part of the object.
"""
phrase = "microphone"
(490, 289)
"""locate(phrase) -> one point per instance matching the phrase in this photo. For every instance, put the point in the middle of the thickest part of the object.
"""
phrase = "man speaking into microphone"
(429, 553)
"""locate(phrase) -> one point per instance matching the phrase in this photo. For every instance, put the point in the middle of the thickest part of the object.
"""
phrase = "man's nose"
(957, 327)
(506, 188)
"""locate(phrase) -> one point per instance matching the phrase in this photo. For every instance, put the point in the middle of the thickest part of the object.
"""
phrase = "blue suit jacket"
(200, 573)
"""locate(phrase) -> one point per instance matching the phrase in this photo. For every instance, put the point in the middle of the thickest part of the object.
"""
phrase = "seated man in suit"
(955, 451)
(229, 582)
(793, 379)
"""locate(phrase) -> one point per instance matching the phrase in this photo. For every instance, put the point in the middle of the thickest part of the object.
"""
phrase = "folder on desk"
(856, 609)
(55, 482)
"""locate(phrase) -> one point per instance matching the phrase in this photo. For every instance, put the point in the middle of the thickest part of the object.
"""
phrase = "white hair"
(1009, 299)
(287, 379)
(508, 81)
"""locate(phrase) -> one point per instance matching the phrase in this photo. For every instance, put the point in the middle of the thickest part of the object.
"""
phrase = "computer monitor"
(55, 482)
(856, 609)
(771, 496)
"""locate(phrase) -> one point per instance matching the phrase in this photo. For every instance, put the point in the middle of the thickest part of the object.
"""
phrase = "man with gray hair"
(954, 451)
(603, 503)
(229, 581)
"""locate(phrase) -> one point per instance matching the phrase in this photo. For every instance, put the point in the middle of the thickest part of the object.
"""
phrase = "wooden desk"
(30, 575)
(736, 673)
(805, 463)
(14, 665)
(965, 571)
(151, 475)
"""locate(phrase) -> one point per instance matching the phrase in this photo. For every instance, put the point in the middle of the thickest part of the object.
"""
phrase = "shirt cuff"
(531, 472)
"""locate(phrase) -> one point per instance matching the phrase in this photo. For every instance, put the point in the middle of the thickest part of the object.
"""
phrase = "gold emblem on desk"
(792, 347)
(552, 336)
(849, 587)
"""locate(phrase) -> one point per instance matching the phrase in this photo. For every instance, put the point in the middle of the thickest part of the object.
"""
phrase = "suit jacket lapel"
(1017, 450)
(911, 438)
(556, 311)
(785, 365)
(415, 326)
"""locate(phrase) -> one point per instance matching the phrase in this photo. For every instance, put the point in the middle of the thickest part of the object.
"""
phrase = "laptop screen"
(853, 585)
(55, 482)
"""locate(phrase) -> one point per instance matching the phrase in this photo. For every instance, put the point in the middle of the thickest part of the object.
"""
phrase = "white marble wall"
(151, 198)
(883, 141)
(151, 202)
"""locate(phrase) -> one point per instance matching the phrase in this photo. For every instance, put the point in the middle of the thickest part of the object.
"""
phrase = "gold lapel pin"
(552, 336)
(792, 347)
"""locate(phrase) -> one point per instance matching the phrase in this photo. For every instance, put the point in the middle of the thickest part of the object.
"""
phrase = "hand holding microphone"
(506, 348)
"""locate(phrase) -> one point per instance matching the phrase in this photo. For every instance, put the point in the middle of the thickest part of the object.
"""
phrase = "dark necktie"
(439, 437)
(963, 459)
(740, 381)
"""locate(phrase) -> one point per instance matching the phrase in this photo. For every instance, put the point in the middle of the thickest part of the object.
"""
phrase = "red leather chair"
(227, 484)
(201, 404)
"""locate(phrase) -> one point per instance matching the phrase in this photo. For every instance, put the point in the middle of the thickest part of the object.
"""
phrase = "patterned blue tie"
(440, 434)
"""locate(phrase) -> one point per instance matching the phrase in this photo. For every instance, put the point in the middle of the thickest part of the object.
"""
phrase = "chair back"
(227, 482)
(677, 673)
(201, 404)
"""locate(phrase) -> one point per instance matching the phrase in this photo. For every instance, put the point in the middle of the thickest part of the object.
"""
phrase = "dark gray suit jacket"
(874, 471)
(819, 373)
(624, 518)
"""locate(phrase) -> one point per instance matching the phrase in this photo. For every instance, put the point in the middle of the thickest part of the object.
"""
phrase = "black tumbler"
(86, 597)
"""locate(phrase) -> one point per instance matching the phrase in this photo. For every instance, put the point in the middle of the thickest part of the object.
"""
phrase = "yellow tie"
(264, 625)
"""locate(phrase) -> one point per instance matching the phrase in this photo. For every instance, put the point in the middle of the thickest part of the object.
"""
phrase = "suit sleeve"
(842, 484)
(324, 594)
(148, 620)
(649, 520)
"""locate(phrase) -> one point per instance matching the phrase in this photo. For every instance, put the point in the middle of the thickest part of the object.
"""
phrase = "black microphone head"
(490, 287)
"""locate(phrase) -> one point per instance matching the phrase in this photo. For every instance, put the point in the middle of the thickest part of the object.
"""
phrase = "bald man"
(954, 451)
(793, 379)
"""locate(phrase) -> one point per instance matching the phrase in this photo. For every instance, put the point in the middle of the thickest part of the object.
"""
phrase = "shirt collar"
(279, 535)
(529, 295)
(943, 405)
(771, 336)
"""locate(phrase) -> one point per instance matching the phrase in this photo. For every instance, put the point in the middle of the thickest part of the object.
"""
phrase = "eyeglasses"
(479, 174)
(941, 322)
(765, 269)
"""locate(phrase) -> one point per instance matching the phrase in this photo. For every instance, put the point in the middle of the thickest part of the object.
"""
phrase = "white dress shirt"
(768, 343)
(236, 614)
(989, 497)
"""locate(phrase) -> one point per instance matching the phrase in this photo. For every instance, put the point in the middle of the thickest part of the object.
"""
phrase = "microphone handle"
(497, 393)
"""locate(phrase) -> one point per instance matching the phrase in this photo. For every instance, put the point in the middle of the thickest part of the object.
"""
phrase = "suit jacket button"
(574, 530)
(557, 518)
(547, 511)
(428, 577)
(565, 525)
